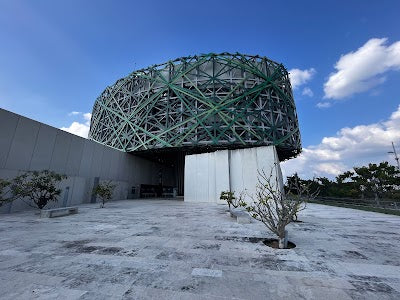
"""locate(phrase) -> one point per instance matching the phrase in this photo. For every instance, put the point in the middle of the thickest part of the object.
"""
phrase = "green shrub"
(40, 187)
(104, 191)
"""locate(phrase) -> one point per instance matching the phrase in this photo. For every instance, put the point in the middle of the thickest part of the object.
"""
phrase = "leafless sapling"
(275, 208)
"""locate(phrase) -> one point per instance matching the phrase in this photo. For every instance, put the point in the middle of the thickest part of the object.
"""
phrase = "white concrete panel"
(23, 144)
(8, 126)
(236, 171)
(44, 147)
(211, 183)
(249, 171)
(221, 173)
(190, 178)
(202, 177)
(206, 175)
(267, 160)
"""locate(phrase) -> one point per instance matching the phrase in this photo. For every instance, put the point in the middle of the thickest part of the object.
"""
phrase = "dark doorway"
(172, 158)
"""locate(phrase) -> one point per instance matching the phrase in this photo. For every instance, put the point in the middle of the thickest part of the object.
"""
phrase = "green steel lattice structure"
(200, 103)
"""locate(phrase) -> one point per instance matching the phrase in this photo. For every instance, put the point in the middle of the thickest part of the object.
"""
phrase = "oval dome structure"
(199, 104)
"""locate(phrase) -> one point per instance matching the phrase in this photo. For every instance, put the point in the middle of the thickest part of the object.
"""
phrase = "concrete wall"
(208, 174)
(27, 145)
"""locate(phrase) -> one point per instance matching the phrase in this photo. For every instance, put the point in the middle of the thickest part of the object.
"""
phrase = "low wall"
(208, 174)
(27, 145)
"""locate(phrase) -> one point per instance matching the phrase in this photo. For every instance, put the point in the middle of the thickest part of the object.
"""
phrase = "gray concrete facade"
(27, 145)
(208, 174)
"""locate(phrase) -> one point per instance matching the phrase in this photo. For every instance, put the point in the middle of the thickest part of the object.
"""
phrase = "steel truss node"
(200, 103)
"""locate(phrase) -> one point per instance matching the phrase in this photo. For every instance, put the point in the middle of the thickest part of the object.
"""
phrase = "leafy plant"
(275, 208)
(104, 191)
(4, 191)
(231, 199)
(39, 186)
(377, 179)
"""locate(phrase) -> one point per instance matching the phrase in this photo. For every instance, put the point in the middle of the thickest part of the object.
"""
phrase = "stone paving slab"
(157, 249)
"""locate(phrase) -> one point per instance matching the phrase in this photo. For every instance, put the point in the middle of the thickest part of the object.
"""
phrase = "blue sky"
(56, 57)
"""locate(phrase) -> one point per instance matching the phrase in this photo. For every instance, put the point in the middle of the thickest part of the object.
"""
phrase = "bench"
(168, 192)
(148, 190)
(58, 212)
(152, 190)
(241, 215)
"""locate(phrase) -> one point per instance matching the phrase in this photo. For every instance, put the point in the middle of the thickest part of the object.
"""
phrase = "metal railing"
(372, 203)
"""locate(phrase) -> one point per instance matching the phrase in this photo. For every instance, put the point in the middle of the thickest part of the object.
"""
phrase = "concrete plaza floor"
(164, 249)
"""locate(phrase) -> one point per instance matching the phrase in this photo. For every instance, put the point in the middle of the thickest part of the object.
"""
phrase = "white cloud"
(81, 129)
(324, 104)
(350, 147)
(307, 92)
(363, 69)
(299, 77)
(87, 117)
(74, 113)
(78, 129)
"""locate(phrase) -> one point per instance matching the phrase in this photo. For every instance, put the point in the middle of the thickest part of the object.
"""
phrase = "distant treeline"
(376, 181)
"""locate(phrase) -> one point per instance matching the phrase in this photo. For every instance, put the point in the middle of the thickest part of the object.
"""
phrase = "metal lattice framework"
(202, 102)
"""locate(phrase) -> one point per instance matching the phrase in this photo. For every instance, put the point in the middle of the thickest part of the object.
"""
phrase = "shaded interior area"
(170, 159)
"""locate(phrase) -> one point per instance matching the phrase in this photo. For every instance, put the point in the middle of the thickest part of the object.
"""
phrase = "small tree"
(231, 199)
(39, 186)
(275, 208)
(4, 192)
(377, 179)
(104, 191)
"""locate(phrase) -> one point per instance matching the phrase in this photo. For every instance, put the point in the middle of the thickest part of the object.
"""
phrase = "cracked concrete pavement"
(167, 249)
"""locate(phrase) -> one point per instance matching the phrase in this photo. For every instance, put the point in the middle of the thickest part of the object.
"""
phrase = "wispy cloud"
(74, 113)
(324, 104)
(307, 92)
